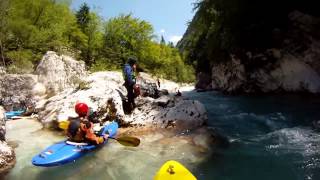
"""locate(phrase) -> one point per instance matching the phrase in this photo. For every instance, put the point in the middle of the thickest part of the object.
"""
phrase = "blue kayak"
(11, 114)
(65, 152)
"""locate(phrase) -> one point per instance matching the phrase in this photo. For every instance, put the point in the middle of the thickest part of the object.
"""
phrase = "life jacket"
(128, 74)
(74, 132)
(81, 131)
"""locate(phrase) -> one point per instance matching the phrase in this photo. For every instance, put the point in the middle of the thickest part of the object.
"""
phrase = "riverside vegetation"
(28, 29)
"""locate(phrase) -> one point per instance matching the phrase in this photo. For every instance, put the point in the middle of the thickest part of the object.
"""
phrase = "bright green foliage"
(34, 27)
(22, 61)
(126, 37)
(29, 28)
(4, 5)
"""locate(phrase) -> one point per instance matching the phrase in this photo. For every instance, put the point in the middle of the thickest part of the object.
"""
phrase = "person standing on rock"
(130, 81)
(158, 81)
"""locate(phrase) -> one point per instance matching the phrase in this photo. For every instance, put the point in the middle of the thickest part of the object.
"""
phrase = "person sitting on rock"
(178, 93)
(81, 128)
(130, 81)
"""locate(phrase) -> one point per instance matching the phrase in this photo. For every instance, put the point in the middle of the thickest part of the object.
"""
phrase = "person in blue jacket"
(130, 80)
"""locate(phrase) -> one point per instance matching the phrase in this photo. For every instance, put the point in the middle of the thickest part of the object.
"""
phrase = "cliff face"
(293, 67)
(288, 62)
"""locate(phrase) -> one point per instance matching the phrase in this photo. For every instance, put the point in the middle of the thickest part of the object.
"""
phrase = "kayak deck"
(173, 170)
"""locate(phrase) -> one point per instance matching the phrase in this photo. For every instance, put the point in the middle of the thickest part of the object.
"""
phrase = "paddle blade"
(64, 125)
(128, 141)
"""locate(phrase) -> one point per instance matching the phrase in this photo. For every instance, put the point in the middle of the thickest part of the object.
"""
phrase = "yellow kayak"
(173, 170)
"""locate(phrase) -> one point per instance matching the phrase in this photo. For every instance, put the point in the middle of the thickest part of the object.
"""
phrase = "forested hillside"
(30, 28)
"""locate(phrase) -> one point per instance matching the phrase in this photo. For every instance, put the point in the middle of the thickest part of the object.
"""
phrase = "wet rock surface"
(2, 124)
(7, 155)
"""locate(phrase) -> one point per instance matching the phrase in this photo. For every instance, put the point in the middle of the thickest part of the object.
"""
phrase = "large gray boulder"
(96, 89)
(2, 124)
(165, 112)
(2, 70)
(7, 156)
(149, 86)
(168, 112)
(60, 72)
(18, 90)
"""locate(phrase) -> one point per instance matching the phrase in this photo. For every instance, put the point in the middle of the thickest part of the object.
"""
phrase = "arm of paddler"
(90, 135)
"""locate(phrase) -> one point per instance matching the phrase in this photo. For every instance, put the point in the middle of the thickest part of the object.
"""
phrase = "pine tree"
(170, 44)
(83, 16)
(162, 42)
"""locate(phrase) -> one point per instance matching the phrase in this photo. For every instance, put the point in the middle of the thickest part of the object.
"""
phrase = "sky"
(168, 17)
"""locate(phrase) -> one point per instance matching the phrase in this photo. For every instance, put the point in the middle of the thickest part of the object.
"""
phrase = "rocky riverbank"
(7, 155)
(60, 81)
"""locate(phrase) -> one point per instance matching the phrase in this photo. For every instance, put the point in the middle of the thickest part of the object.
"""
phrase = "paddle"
(64, 125)
(127, 141)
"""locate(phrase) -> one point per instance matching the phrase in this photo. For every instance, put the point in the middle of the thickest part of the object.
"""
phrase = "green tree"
(162, 42)
(126, 36)
(83, 16)
(170, 44)
(37, 26)
(90, 25)
(4, 6)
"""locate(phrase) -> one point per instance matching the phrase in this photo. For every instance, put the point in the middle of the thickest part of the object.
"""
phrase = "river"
(271, 137)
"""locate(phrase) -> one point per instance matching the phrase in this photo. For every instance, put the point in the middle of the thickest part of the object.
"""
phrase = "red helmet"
(81, 109)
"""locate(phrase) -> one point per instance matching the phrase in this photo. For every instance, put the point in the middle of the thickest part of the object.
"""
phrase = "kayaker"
(81, 128)
(83, 110)
(130, 81)
(178, 93)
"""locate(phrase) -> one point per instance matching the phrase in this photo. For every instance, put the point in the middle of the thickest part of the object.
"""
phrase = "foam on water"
(301, 140)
